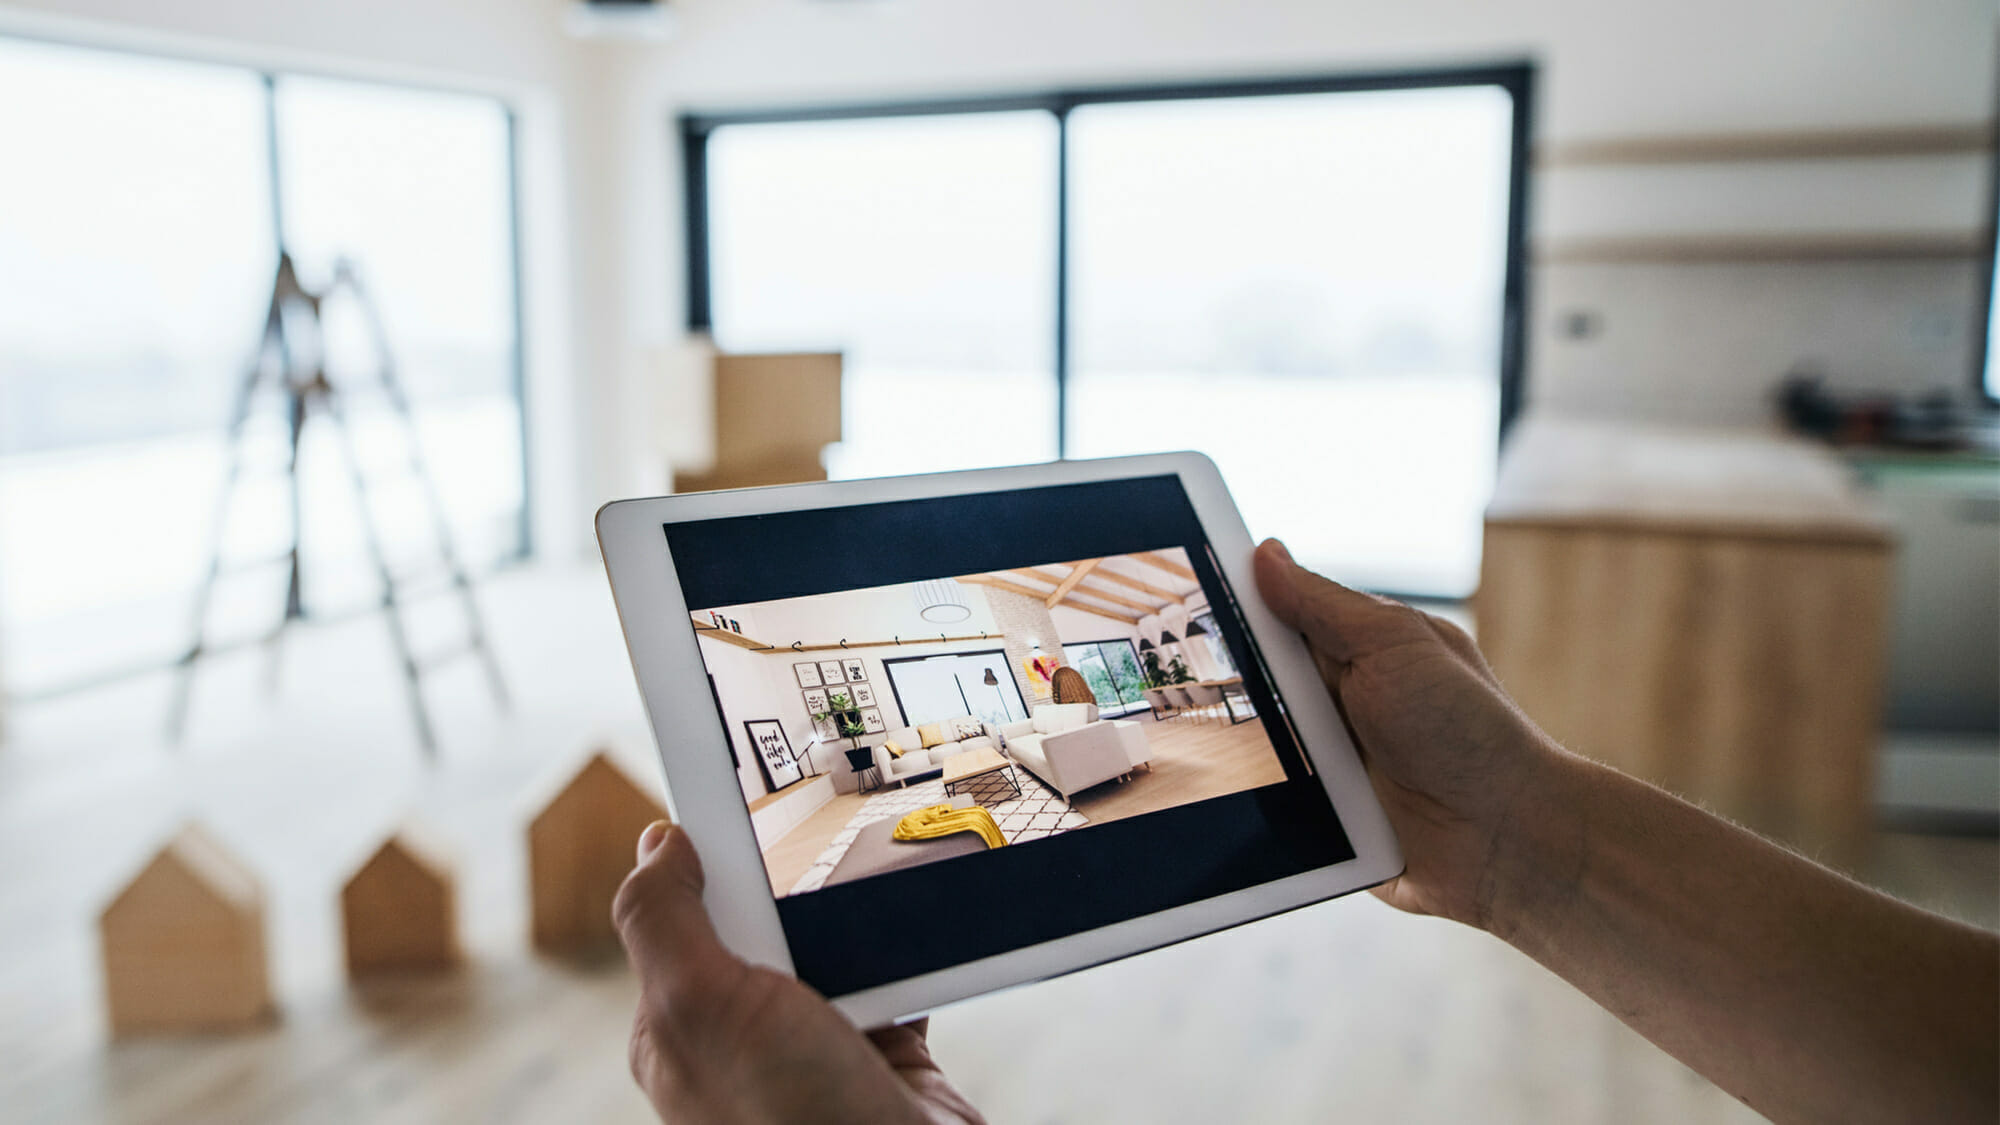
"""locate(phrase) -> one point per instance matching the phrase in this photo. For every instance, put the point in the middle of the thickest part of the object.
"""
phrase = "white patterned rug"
(1039, 811)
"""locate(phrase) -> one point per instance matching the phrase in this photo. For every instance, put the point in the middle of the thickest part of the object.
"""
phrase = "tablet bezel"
(706, 799)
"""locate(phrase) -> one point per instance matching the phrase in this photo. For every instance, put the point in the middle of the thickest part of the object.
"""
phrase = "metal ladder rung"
(445, 655)
(413, 585)
(306, 392)
(240, 566)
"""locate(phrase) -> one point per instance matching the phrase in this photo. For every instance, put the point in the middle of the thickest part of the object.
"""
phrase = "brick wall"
(1021, 619)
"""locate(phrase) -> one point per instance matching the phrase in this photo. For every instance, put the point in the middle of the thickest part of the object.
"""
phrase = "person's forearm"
(1802, 993)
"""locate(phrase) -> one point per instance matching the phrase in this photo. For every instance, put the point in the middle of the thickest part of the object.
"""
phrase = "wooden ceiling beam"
(1036, 575)
(1080, 607)
(1003, 584)
(1077, 573)
(1155, 558)
(1088, 590)
(1131, 583)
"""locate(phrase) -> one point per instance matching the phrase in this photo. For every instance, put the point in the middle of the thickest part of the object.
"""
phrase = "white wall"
(757, 685)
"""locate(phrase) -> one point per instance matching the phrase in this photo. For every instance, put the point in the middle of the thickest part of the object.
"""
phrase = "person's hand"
(719, 1039)
(1457, 766)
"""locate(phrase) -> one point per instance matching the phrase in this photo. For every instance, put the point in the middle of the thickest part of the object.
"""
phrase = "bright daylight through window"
(1309, 286)
(137, 249)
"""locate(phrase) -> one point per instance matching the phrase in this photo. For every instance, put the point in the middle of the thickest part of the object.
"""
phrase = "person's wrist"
(1536, 850)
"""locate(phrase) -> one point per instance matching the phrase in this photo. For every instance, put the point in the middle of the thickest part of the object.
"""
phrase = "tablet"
(937, 735)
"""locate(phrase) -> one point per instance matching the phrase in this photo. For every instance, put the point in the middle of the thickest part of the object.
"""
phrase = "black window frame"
(889, 673)
(1099, 645)
(693, 129)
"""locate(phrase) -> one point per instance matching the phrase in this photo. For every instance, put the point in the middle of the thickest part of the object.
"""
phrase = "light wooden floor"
(1342, 1011)
(1193, 759)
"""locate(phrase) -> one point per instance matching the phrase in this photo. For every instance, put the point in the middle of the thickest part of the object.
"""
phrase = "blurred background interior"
(1650, 341)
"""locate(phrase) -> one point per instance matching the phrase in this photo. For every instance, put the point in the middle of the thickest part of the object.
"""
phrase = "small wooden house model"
(183, 943)
(580, 848)
(399, 913)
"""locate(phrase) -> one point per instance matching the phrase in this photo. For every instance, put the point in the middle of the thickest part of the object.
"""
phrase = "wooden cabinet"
(1704, 609)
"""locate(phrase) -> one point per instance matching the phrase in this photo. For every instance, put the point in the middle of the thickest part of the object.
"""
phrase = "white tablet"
(937, 735)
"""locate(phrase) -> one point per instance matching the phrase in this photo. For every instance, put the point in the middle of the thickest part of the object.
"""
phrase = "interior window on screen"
(923, 249)
(1307, 288)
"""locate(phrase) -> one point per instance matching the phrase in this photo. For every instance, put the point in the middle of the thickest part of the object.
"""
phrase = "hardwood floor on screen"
(1193, 759)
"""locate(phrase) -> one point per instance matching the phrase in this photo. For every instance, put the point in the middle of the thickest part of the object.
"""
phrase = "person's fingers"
(903, 1045)
(659, 912)
(1342, 624)
(650, 839)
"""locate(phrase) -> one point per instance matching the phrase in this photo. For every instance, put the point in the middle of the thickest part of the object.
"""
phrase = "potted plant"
(846, 717)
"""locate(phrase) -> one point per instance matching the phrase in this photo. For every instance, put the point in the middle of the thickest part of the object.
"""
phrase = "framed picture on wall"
(856, 671)
(864, 696)
(774, 752)
(734, 761)
(808, 674)
(815, 701)
(827, 729)
(871, 720)
(831, 673)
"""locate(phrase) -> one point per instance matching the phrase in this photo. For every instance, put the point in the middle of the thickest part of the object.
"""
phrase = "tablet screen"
(967, 724)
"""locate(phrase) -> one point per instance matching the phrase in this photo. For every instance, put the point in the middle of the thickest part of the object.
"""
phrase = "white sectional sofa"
(917, 762)
(1070, 748)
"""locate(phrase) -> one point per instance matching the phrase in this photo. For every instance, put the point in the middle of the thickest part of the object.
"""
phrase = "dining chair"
(1203, 698)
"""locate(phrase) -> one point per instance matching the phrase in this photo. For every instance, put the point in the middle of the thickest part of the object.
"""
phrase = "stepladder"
(372, 431)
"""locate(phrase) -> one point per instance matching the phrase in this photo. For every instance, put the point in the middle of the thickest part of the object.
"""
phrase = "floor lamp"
(993, 682)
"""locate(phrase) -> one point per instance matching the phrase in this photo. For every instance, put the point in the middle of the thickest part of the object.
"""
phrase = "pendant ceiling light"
(1195, 629)
(1145, 645)
(1167, 637)
(941, 601)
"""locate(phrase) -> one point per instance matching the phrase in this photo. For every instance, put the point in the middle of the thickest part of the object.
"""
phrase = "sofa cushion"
(931, 734)
(895, 749)
(914, 761)
(1053, 717)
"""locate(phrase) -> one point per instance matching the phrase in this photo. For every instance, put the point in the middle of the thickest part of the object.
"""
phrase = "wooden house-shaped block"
(580, 848)
(399, 913)
(183, 943)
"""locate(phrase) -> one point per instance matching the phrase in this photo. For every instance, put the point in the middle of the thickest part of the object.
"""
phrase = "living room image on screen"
(884, 728)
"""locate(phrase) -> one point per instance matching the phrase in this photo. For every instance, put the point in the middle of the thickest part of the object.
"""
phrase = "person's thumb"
(1342, 624)
(659, 912)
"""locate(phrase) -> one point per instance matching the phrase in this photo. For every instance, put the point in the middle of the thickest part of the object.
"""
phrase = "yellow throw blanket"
(943, 820)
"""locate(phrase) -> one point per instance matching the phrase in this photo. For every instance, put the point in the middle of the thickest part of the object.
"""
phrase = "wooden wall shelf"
(726, 636)
(1808, 144)
(1808, 247)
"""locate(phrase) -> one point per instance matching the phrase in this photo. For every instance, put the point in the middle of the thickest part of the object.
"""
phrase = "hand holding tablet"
(1011, 831)
(1720, 947)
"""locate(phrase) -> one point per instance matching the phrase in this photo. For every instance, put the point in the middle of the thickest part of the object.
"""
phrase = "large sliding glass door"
(1111, 668)
(141, 205)
(1316, 281)
(931, 688)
